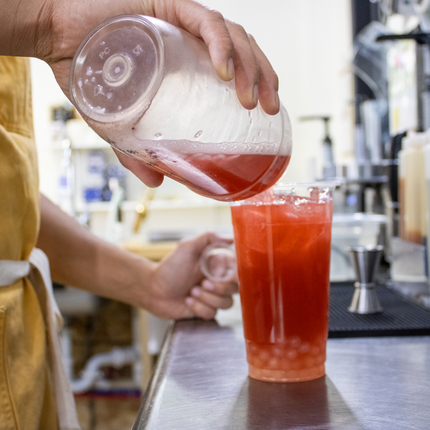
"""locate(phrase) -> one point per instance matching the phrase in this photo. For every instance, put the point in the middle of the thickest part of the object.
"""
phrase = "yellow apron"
(30, 392)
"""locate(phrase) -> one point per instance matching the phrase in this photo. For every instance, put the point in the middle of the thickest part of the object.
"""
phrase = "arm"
(174, 288)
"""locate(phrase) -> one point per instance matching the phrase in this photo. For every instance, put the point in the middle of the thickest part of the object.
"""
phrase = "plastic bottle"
(95, 176)
(427, 197)
(151, 91)
(412, 181)
(66, 180)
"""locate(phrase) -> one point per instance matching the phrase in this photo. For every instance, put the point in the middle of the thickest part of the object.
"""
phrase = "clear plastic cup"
(151, 91)
(282, 240)
(218, 262)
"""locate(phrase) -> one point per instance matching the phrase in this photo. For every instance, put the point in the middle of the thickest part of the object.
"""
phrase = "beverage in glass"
(282, 241)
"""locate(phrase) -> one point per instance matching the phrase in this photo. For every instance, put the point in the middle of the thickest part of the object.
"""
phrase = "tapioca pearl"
(273, 363)
(304, 348)
(314, 350)
(278, 351)
(274, 350)
(255, 361)
(291, 354)
(251, 349)
(264, 355)
(295, 341)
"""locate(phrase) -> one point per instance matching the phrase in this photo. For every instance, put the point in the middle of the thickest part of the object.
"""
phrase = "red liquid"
(283, 256)
(225, 177)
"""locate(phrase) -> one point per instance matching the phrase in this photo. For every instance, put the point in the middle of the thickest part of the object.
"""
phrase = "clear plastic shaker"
(151, 91)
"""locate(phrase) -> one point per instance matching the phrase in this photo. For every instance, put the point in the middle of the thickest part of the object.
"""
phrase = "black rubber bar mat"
(400, 317)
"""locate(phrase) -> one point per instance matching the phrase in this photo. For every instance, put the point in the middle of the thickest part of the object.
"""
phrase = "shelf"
(85, 146)
(155, 205)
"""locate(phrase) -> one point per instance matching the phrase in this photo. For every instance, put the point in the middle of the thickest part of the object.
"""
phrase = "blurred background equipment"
(392, 68)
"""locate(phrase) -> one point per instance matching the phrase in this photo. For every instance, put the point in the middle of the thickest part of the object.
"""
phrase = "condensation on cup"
(151, 91)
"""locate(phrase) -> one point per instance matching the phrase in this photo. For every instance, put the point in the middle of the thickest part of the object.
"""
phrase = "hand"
(79, 258)
(233, 51)
(179, 290)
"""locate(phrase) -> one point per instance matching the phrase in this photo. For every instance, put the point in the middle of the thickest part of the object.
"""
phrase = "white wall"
(46, 93)
(309, 44)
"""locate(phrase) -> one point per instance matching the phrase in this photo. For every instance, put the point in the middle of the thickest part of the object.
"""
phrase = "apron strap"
(40, 277)
(37, 269)
(11, 271)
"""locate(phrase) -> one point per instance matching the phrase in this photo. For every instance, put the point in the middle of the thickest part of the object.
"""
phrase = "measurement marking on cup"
(104, 52)
(137, 50)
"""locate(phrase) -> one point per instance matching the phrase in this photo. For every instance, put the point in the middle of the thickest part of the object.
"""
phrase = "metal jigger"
(365, 260)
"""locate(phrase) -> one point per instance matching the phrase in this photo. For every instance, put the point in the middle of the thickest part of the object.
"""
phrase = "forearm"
(79, 258)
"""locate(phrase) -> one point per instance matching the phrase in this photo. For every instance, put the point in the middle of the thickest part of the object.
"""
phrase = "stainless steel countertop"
(201, 383)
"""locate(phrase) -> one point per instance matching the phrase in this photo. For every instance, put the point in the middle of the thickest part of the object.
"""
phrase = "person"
(33, 390)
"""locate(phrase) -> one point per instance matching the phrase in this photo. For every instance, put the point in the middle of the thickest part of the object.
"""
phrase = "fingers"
(216, 35)
(255, 78)
(200, 309)
(220, 288)
(247, 69)
(212, 300)
(195, 245)
(268, 82)
(205, 303)
(234, 53)
(149, 177)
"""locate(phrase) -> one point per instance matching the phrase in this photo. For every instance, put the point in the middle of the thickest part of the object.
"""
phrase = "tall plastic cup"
(282, 241)
(151, 91)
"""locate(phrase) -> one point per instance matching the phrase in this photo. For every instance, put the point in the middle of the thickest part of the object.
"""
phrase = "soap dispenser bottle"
(329, 168)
